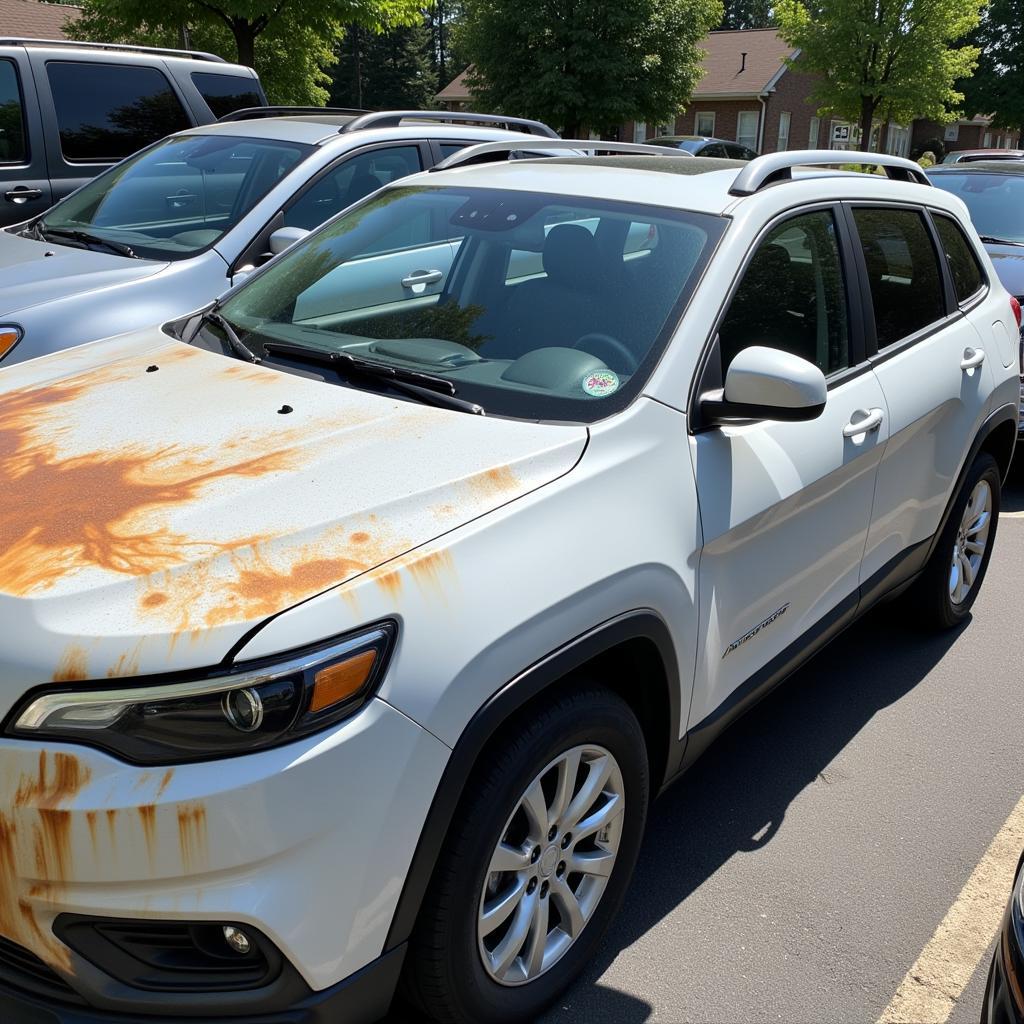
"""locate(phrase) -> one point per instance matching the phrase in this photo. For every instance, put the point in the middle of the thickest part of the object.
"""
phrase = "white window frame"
(813, 132)
(749, 140)
(952, 133)
(986, 143)
(785, 121)
(639, 131)
(696, 123)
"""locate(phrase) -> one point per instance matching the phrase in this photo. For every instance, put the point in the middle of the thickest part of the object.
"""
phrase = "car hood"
(161, 501)
(1009, 263)
(28, 276)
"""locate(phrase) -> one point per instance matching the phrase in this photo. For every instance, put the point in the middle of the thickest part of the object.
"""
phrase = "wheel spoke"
(512, 944)
(977, 523)
(593, 862)
(568, 769)
(605, 814)
(599, 771)
(497, 911)
(975, 548)
(538, 940)
(568, 908)
(967, 571)
(536, 808)
(509, 858)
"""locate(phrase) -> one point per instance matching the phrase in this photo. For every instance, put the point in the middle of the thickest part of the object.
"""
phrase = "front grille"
(22, 970)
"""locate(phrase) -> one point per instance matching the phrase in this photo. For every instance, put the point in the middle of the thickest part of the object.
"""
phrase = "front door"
(785, 507)
(24, 185)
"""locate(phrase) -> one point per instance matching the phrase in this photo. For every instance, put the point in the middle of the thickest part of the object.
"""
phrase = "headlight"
(9, 337)
(256, 706)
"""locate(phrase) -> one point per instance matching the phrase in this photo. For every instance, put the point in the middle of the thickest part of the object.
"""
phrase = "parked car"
(994, 196)
(70, 110)
(703, 145)
(174, 226)
(972, 155)
(326, 655)
(1004, 992)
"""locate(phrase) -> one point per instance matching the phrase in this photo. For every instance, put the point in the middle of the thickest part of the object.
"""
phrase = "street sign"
(840, 133)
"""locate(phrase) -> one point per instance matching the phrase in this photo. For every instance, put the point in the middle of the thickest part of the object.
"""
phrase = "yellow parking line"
(931, 988)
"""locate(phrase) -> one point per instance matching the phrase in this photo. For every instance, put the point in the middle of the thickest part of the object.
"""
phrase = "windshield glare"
(534, 306)
(180, 196)
(995, 201)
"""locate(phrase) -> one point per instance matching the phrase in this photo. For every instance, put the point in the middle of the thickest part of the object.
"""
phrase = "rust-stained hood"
(158, 501)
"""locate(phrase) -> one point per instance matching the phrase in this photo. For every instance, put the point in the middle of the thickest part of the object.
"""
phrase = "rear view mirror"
(767, 384)
(284, 237)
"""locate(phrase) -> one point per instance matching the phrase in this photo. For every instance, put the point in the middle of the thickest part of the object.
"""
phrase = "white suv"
(346, 638)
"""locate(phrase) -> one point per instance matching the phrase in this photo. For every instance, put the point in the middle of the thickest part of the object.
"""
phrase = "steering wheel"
(626, 359)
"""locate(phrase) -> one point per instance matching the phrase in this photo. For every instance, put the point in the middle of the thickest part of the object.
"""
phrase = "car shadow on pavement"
(736, 797)
(1013, 488)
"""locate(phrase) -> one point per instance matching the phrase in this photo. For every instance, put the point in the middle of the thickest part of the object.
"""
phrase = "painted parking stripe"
(931, 988)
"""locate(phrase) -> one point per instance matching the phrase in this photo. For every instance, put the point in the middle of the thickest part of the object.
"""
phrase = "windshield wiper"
(86, 238)
(236, 344)
(990, 240)
(423, 386)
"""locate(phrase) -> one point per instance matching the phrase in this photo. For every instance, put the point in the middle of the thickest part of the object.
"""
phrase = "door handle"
(422, 277)
(21, 194)
(973, 357)
(863, 421)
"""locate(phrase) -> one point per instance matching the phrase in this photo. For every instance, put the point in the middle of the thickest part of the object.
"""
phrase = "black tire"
(445, 977)
(929, 598)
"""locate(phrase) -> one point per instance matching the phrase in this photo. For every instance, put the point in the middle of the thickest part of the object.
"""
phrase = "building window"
(784, 119)
(952, 133)
(746, 128)
(639, 131)
(987, 141)
(812, 135)
(705, 123)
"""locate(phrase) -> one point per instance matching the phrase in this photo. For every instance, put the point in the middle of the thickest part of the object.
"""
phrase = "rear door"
(935, 371)
(24, 186)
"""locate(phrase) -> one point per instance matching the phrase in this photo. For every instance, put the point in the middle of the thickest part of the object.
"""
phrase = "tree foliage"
(290, 43)
(891, 57)
(390, 69)
(997, 87)
(748, 14)
(586, 64)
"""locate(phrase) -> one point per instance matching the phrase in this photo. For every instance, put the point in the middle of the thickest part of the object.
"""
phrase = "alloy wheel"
(971, 541)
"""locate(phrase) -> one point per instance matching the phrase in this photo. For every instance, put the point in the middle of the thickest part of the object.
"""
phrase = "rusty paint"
(147, 816)
(164, 782)
(111, 815)
(72, 666)
(495, 483)
(154, 599)
(90, 821)
(127, 664)
(55, 832)
(49, 792)
(432, 571)
(360, 537)
(192, 836)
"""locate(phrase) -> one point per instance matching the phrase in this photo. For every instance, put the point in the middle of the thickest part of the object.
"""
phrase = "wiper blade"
(990, 240)
(238, 346)
(86, 238)
(423, 386)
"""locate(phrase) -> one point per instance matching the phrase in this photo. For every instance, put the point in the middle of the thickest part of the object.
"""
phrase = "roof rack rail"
(486, 151)
(123, 47)
(775, 167)
(251, 113)
(393, 118)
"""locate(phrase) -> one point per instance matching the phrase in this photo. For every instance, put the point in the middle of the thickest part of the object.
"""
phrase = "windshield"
(534, 306)
(178, 197)
(995, 201)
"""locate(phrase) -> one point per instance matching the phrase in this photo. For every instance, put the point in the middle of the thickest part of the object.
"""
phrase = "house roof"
(456, 91)
(34, 20)
(766, 52)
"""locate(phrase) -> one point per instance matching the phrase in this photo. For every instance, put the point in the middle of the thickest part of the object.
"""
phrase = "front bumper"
(307, 844)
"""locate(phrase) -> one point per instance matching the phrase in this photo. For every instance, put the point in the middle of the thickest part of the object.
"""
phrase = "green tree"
(290, 43)
(586, 64)
(997, 87)
(893, 57)
(390, 69)
(442, 21)
(748, 14)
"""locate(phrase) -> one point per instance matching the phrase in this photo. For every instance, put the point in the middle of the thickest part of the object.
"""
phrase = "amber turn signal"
(339, 682)
(9, 337)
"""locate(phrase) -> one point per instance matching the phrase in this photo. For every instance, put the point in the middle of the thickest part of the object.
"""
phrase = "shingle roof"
(457, 90)
(35, 20)
(766, 51)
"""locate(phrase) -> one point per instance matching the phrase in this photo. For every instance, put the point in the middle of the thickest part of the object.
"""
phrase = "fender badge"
(751, 633)
(600, 383)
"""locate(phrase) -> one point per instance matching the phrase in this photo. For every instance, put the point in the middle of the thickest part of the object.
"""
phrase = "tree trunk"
(867, 116)
(245, 41)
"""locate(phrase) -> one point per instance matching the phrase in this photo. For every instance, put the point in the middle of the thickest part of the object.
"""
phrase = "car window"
(964, 267)
(353, 179)
(107, 111)
(179, 196)
(738, 152)
(903, 272)
(995, 201)
(13, 149)
(534, 305)
(225, 93)
(714, 149)
(792, 296)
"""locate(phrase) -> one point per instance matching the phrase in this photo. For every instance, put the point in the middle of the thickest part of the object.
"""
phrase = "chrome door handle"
(423, 277)
(972, 357)
(21, 194)
(863, 421)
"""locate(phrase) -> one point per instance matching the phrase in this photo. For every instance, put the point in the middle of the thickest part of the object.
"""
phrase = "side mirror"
(767, 384)
(284, 237)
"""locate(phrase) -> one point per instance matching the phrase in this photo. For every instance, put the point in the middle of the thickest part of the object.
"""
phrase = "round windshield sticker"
(600, 383)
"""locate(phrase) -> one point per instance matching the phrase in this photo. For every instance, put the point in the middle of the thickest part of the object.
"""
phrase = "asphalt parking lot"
(799, 871)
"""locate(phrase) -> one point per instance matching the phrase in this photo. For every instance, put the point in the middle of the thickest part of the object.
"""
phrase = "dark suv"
(70, 110)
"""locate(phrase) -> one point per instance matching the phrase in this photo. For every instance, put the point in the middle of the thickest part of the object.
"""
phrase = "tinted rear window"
(226, 93)
(12, 119)
(107, 111)
(963, 263)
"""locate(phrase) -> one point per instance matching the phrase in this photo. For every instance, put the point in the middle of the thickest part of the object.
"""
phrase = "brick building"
(968, 133)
